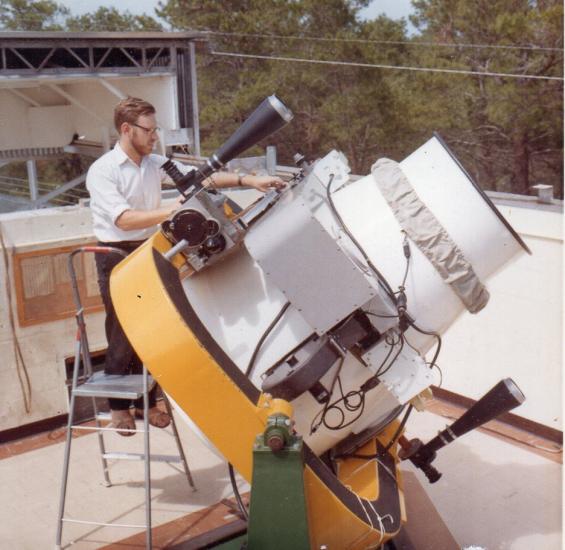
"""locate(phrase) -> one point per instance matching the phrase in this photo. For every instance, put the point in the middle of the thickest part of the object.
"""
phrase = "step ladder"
(99, 384)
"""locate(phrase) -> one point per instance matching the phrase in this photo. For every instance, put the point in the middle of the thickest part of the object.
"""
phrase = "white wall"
(14, 125)
(44, 346)
(25, 125)
(520, 332)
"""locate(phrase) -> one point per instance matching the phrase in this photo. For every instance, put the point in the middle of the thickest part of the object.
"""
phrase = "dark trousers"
(120, 356)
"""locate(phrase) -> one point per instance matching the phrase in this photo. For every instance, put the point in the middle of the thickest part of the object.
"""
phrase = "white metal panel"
(50, 126)
(305, 262)
(14, 126)
(447, 191)
(84, 106)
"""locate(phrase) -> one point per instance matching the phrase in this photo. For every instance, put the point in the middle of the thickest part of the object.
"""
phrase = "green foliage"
(508, 132)
(110, 19)
(348, 108)
(511, 132)
(38, 15)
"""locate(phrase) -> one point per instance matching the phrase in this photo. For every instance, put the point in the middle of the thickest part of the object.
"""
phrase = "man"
(125, 192)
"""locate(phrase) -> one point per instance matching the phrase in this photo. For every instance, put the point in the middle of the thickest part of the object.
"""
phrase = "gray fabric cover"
(423, 228)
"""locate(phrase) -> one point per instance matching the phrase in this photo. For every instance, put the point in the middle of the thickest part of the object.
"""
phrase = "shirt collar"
(120, 154)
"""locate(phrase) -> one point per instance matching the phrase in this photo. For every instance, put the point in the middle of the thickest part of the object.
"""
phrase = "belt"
(128, 246)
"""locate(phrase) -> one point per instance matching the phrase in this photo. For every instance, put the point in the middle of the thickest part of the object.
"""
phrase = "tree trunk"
(521, 164)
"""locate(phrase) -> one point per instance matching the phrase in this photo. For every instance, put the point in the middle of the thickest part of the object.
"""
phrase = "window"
(43, 285)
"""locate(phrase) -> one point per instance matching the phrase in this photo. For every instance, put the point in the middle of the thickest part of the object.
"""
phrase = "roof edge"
(58, 35)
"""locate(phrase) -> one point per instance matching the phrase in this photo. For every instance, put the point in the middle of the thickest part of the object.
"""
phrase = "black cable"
(382, 281)
(263, 338)
(389, 444)
(334, 406)
(430, 364)
(380, 315)
(236, 494)
(359, 414)
(347, 397)
(429, 333)
(440, 373)
(407, 255)
(321, 417)
(327, 405)
(383, 363)
(399, 429)
(379, 372)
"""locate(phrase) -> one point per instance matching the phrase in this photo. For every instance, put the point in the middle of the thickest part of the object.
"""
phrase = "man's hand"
(263, 183)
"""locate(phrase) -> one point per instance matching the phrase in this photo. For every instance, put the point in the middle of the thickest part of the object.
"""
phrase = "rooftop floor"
(494, 494)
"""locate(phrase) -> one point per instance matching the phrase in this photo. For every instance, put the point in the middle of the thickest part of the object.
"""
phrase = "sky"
(391, 8)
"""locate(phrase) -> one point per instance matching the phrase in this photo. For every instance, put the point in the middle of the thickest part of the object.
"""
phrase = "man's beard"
(141, 150)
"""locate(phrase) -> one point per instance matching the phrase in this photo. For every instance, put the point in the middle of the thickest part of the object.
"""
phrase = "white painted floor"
(492, 495)
(31, 483)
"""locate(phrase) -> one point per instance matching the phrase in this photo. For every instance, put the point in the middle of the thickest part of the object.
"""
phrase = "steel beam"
(32, 180)
(61, 189)
(27, 99)
(194, 100)
(112, 89)
(76, 102)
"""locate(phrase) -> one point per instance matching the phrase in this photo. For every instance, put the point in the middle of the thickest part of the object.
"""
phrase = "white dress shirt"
(117, 184)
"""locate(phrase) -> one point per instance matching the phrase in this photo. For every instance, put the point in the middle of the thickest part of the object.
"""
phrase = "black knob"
(214, 245)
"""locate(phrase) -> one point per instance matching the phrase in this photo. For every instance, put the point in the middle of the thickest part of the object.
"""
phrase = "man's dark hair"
(130, 109)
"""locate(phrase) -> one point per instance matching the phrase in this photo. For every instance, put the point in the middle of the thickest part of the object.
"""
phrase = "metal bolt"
(275, 442)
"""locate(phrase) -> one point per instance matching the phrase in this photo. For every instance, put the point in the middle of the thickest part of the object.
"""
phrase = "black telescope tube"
(505, 396)
(270, 116)
(502, 398)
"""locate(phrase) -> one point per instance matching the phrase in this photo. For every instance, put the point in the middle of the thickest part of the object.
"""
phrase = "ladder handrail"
(79, 315)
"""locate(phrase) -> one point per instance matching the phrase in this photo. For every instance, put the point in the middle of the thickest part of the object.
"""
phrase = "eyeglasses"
(148, 130)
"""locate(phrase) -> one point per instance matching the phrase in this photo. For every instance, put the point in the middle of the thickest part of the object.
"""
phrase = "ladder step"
(101, 429)
(115, 386)
(86, 522)
(107, 416)
(140, 456)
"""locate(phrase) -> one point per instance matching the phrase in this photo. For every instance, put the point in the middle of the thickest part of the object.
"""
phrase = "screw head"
(275, 442)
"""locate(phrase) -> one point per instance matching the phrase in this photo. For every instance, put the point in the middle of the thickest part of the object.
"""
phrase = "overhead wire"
(383, 66)
(391, 42)
(422, 43)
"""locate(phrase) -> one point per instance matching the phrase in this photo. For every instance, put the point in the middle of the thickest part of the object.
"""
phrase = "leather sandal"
(157, 417)
(123, 420)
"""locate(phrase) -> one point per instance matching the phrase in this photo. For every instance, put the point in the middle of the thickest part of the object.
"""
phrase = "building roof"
(62, 35)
